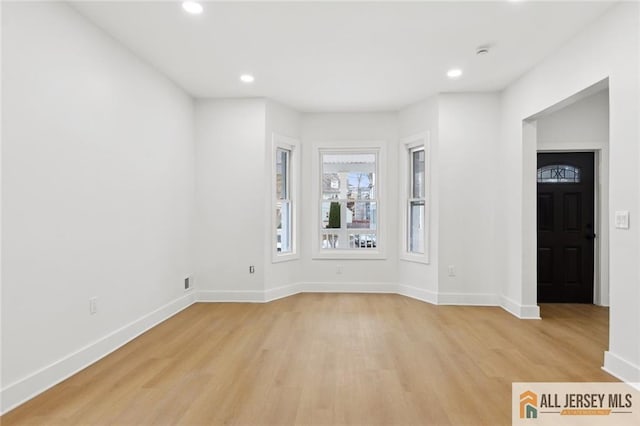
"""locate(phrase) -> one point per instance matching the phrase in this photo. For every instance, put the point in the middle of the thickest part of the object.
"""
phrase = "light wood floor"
(329, 359)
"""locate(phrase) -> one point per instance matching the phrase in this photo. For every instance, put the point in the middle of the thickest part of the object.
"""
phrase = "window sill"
(415, 258)
(349, 255)
(279, 258)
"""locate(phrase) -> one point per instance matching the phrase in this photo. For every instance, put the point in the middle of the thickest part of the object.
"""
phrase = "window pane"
(283, 227)
(416, 226)
(559, 173)
(330, 241)
(362, 240)
(360, 186)
(417, 170)
(331, 215)
(361, 215)
(330, 186)
(348, 176)
(282, 174)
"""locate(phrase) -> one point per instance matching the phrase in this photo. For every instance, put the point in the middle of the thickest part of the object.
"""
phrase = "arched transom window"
(558, 173)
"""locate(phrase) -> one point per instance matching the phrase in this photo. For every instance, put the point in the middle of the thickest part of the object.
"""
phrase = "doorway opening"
(567, 234)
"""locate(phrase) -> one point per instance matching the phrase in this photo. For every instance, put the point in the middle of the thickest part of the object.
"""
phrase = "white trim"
(443, 299)
(621, 368)
(348, 287)
(281, 292)
(424, 295)
(518, 310)
(410, 143)
(469, 299)
(530, 149)
(421, 294)
(286, 257)
(257, 296)
(350, 254)
(414, 257)
(248, 296)
(34, 384)
(293, 146)
(380, 149)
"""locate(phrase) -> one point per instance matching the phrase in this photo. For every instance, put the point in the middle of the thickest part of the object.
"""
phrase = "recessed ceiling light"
(247, 78)
(192, 7)
(454, 73)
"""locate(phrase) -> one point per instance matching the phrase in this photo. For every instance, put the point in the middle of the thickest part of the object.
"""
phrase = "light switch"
(622, 219)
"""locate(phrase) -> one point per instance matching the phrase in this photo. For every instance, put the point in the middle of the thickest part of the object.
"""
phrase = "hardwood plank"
(328, 359)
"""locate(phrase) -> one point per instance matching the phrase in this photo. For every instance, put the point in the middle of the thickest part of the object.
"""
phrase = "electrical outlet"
(338, 269)
(252, 269)
(622, 219)
(187, 283)
(93, 305)
(452, 270)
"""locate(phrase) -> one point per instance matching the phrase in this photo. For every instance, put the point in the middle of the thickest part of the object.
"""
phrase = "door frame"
(600, 210)
(528, 218)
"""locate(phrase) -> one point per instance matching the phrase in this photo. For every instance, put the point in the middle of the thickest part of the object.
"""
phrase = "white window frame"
(349, 147)
(412, 144)
(293, 146)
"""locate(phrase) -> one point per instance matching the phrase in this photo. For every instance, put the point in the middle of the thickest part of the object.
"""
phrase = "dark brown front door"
(565, 227)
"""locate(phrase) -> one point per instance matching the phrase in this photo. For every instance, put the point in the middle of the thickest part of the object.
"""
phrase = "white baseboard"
(281, 292)
(347, 287)
(621, 368)
(254, 296)
(23, 390)
(257, 296)
(435, 298)
(326, 287)
(518, 310)
(466, 299)
(418, 293)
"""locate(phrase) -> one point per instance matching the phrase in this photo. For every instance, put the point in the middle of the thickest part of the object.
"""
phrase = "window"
(416, 203)
(283, 198)
(283, 201)
(349, 202)
(414, 194)
(558, 173)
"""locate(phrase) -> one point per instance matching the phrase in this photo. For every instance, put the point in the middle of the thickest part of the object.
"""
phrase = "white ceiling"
(336, 56)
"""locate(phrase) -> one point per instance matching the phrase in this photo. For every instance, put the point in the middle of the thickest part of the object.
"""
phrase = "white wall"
(468, 139)
(230, 196)
(585, 122)
(283, 121)
(584, 126)
(607, 48)
(345, 127)
(235, 135)
(463, 139)
(97, 193)
(422, 279)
